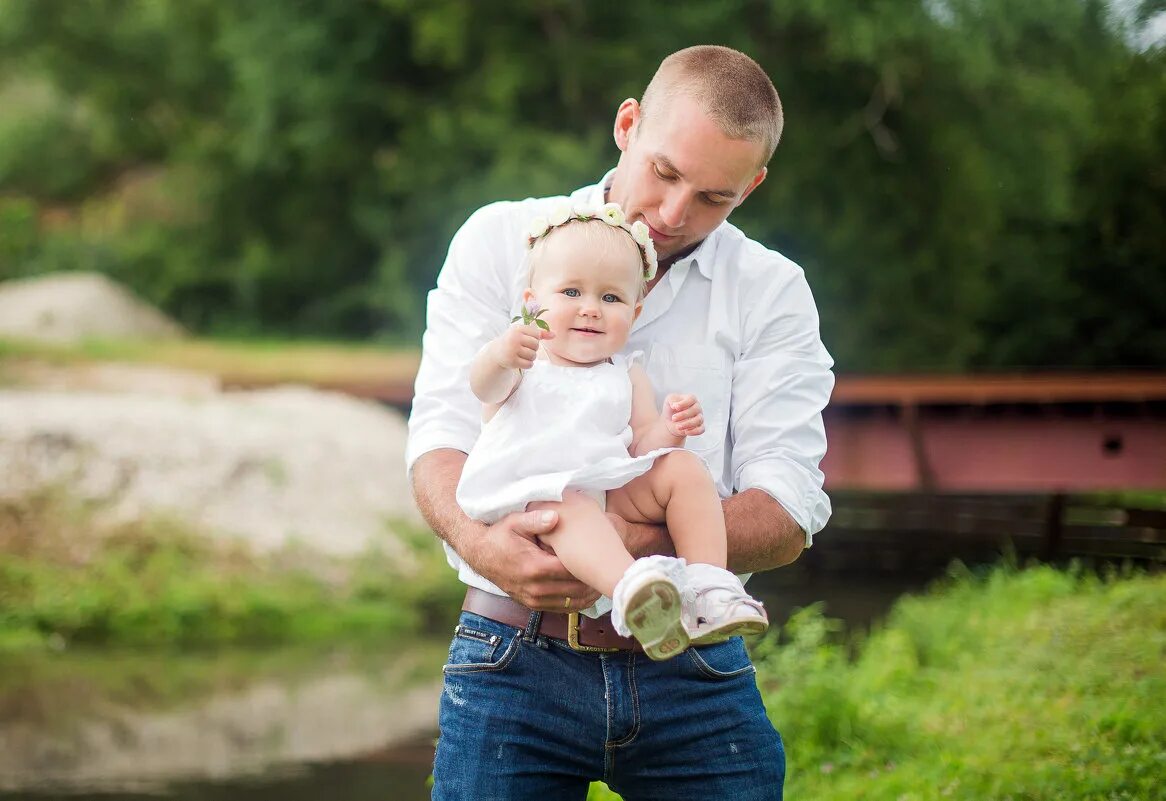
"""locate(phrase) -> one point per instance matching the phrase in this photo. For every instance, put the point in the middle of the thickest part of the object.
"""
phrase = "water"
(294, 725)
(228, 725)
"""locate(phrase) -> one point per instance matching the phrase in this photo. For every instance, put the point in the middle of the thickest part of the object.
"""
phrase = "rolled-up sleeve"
(781, 383)
(468, 307)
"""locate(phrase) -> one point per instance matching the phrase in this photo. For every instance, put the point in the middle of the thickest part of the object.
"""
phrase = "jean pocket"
(725, 660)
(476, 647)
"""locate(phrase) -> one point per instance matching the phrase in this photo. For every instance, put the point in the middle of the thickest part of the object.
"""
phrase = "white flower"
(640, 233)
(612, 214)
(559, 214)
(584, 210)
(650, 252)
(538, 227)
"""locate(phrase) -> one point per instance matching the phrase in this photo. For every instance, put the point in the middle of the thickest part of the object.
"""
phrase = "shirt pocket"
(701, 370)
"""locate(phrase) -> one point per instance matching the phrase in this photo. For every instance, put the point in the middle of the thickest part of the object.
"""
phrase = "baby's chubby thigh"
(578, 507)
(645, 499)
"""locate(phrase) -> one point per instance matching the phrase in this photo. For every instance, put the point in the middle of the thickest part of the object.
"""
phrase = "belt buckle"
(573, 637)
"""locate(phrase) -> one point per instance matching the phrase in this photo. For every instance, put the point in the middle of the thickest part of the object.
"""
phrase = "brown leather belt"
(582, 633)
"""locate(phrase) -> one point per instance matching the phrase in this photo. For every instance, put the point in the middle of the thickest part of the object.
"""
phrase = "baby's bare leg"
(586, 542)
(677, 491)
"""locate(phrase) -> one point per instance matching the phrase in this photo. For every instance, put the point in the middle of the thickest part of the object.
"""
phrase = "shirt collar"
(703, 256)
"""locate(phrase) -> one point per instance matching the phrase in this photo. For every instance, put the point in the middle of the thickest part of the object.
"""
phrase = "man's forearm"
(435, 479)
(761, 534)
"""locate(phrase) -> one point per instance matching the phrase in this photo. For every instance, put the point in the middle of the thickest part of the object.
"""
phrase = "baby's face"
(590, 293)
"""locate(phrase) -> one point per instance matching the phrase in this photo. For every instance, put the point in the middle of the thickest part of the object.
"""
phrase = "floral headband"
(610, 213)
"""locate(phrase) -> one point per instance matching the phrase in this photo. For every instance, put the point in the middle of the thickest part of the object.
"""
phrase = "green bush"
(1035, 684)
(65, 580)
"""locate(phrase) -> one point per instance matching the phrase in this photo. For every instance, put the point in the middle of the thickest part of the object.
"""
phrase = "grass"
(1035, 684)
(66, 579)
(247, 362)
(1020, 684)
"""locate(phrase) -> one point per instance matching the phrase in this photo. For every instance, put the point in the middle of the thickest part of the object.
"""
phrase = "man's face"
(679, 173)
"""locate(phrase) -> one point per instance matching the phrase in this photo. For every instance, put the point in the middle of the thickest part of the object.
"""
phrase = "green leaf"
(542, 324)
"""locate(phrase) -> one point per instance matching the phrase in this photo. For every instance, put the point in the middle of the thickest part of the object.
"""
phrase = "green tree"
(968, 183)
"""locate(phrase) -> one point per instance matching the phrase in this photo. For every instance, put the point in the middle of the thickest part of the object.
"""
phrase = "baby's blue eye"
(571, 293)
(610, 298)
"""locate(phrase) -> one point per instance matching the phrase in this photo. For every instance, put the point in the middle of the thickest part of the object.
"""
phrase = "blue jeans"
(525, 717)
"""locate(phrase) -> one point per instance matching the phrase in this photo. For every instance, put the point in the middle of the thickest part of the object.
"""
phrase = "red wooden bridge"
(997, 433)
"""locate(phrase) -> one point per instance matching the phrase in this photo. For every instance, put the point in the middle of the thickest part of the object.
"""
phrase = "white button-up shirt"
(733, 323)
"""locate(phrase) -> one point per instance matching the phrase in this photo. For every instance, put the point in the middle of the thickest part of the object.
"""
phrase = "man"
(538, 701)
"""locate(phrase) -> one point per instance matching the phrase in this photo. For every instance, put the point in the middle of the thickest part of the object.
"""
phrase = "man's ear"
(626, 120)
(756, 182)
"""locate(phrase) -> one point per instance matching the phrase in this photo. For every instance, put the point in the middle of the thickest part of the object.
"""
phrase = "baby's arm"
(496, 369)
(680, 418)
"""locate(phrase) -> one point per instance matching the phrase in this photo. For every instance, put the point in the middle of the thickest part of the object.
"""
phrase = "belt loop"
(530, 633)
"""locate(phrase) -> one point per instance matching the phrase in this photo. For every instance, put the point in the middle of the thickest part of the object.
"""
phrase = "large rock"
(70, 307)
(270, 467)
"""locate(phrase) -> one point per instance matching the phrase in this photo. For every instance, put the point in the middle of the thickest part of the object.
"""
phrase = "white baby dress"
(563, 428)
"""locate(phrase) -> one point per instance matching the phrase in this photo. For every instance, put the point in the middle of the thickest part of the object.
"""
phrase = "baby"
(572, 425)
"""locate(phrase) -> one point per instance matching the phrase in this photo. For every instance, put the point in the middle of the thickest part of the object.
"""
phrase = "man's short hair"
(731, 87)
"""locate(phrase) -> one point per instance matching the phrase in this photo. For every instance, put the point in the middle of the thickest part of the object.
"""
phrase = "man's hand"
(642, 539)
(508, 553)
(682, 416)
(517, 348)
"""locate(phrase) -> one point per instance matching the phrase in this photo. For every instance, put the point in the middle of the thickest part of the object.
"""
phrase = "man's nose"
(674, 208)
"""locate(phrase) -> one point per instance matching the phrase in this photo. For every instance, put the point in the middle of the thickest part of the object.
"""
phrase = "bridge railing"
(905, 530)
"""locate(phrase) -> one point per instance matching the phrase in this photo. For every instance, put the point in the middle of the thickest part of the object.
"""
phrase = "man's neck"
(666, 264)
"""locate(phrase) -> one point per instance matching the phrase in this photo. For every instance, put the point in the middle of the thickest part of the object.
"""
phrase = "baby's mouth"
(585, 330)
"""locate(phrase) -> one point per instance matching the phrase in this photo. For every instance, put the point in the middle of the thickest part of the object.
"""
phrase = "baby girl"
(572, 425)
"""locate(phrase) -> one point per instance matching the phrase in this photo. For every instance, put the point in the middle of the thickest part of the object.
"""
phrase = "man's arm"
(506, 553)
(761, 534)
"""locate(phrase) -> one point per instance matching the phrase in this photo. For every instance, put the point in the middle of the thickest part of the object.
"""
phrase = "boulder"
(276, 467)
(71, 307)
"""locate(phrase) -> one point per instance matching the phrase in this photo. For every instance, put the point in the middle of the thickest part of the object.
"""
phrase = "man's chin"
(669, 247)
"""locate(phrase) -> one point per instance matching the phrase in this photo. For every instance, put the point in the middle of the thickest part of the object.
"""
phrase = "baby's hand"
(517, 348)
(683, 416)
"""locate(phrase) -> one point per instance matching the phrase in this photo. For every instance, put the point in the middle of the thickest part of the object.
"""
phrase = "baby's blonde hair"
(602, 239)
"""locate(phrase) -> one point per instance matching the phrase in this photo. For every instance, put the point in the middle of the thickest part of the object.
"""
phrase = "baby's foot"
(646, 604)
(716, 606)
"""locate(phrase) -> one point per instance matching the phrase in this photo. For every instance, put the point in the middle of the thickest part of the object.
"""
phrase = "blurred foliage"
(70, 577)
(1038, 683)
(970, 184)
